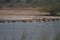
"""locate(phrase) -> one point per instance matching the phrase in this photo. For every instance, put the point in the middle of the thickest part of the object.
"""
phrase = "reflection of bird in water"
(24, 34)
(45, 37)
(14, 33)
(2, 21)
(8, 21)
(13, 21)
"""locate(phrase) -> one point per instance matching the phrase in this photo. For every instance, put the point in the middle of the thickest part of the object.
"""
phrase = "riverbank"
(26, 15)
(24, 11)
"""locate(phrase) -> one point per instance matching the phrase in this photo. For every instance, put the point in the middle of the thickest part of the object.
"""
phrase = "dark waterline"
(29, 31)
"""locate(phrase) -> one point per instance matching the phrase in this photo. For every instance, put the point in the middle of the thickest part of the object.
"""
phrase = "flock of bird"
(30, 20)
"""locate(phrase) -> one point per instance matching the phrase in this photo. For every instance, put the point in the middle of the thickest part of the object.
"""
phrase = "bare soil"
(21, 12)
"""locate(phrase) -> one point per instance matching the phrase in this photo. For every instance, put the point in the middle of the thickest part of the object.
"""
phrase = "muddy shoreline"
(26, 15)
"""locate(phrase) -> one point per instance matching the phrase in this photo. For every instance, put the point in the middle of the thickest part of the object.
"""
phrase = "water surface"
(29, 30)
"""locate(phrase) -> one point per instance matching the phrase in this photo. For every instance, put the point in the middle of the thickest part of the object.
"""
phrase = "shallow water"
(29, 31)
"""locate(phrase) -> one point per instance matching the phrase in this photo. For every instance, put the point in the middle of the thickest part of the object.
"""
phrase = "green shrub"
(52, 9)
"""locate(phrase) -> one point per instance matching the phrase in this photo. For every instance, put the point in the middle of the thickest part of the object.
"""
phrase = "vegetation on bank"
(26, 3)
(51, 6)
(53, 9)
